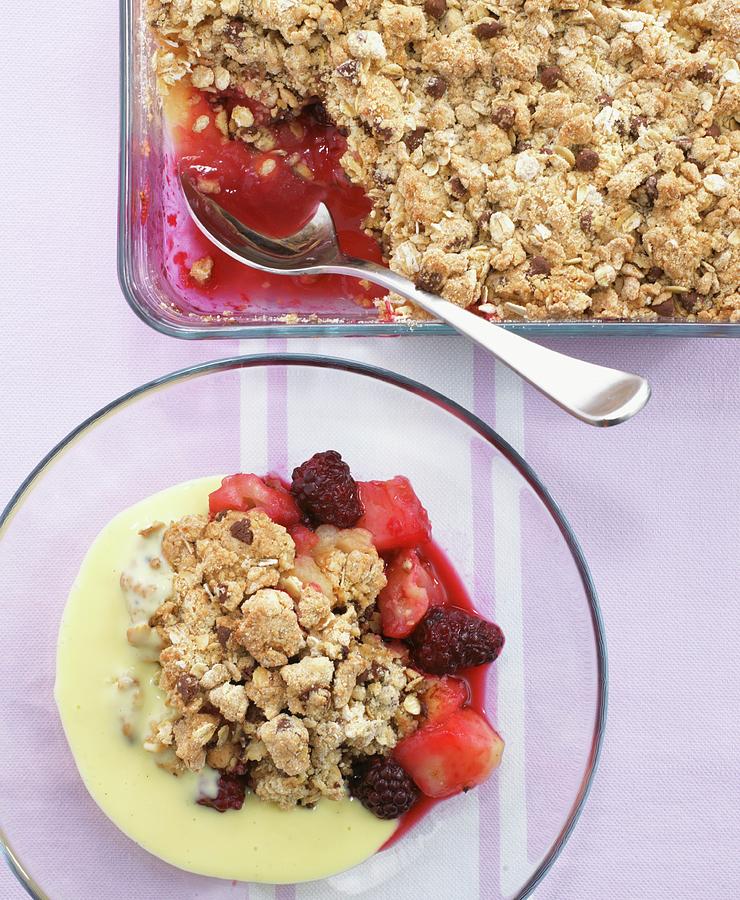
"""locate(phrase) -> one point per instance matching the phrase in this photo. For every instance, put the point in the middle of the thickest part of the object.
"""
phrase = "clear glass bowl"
(500, 527)
(146, 167)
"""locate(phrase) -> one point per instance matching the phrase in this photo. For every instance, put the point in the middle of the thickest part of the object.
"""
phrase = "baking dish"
(146, 167)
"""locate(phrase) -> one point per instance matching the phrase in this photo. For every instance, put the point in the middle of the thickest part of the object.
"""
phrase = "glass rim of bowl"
(485, 431)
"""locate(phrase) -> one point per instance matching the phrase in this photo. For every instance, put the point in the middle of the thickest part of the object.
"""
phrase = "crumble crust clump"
(536, 158)
(272, 665)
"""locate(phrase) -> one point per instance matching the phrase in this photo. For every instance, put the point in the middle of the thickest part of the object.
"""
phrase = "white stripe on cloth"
(262, 892)
(446, 863)
(253, 413)
(510, 668)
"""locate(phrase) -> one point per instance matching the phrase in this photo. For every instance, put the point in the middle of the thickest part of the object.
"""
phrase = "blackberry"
(326, 491)
(231, 791)
(383, 787)
(449, 639)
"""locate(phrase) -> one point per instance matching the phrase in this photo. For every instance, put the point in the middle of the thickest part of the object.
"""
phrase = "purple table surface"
(654, 502)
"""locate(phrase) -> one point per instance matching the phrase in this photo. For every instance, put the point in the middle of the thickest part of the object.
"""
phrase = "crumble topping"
(535, 158)
(202, 268)
(272, 665)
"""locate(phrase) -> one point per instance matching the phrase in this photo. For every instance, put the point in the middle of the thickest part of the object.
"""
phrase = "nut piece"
(665, 309)
(269, 628)
(215, 676)
(145, 639)
(267, 691)
(550, 76)
(651, 188)
(242, 117)
(230, 700)
(351, 563)
(412, 705)
(314, 608)
(501, 227)
(605, 274)
(526, 167)
(435, 8)
(187, 688)
(202, 269)
(486, 30)
(346, 677)
(191, 735)
(366, 45)
(587, 160)
(539, 266)
(504, 117)
(415, 138)
(436, 86)
(349, 70)
(716, 185)
(431, 282)
(308, 683)
(286, 739)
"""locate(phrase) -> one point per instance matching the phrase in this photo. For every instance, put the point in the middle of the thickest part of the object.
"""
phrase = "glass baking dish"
(146, 167)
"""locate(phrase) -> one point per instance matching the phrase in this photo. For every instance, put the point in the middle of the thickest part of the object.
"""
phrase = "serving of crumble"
(272, 667)
(541, 159)
(296, 662)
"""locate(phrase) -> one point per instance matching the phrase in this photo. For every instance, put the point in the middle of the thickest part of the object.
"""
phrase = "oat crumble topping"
(537, 158)
(271, 664)
(201, 269)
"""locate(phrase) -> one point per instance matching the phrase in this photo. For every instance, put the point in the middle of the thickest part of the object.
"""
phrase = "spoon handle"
(592, 393)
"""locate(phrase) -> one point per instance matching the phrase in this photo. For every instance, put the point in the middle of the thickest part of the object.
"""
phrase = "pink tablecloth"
(654, 502)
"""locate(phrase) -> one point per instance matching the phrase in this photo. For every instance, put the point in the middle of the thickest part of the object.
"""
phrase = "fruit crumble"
(297, 662)
(540, 159)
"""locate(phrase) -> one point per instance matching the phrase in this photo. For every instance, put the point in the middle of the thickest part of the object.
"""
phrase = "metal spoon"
(594, 394)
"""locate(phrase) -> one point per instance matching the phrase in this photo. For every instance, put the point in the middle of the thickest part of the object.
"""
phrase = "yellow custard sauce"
(97, 669)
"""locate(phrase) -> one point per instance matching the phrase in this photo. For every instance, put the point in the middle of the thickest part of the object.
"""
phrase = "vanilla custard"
(107, 695)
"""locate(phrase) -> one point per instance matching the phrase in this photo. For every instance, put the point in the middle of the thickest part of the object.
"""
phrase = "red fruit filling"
(443, 696)
(451, 755)
(449, 639)
(384, 788)
(245, 492)
(304, 539)
(412, 588)
(277, 203)
(393, 514)
(231, 791)
(326, 491)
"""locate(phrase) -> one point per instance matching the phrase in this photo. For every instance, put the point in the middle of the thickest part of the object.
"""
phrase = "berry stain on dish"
(283, 664)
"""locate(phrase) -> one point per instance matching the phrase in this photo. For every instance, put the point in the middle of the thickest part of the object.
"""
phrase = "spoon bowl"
(313, 248)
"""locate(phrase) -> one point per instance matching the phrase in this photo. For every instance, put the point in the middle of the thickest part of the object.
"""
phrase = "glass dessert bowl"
(275, 667)
(495, 522)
